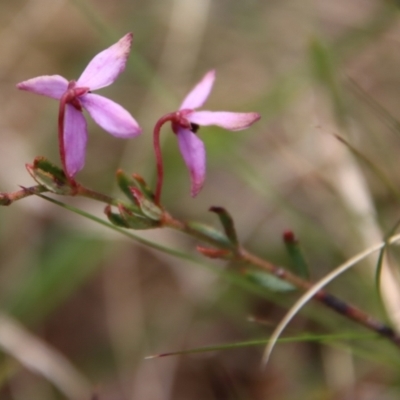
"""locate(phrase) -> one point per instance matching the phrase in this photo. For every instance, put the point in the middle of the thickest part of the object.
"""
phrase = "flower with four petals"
(185, 124)
(74, 96)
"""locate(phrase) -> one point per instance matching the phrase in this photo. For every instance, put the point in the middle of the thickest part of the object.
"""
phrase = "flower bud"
(50, 176)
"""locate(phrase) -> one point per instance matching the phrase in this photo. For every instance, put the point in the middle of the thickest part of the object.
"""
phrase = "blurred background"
(81, 306)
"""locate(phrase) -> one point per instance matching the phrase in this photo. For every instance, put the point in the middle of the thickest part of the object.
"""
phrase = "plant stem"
(8, 198)
(61, 143)
(157, 150)
(347, 310)
(92, 194)
(69, 98)
(240, 254)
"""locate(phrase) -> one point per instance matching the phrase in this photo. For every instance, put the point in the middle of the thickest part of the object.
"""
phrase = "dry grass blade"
(40, 358)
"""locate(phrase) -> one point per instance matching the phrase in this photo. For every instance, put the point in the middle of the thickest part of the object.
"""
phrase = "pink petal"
(194, 155)
(75, 139)
(53, 86)
(107, 65)
(110, 116)
(228, 120)
(197, 97)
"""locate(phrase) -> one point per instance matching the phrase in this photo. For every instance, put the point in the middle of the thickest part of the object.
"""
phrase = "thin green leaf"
(269, 281)
(306, 337)
(208, 231)
(228, 225)
(299, 264)
(231, 277)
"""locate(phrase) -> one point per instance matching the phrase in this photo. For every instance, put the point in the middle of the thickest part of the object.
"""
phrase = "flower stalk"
(158, 154)
(7, 199)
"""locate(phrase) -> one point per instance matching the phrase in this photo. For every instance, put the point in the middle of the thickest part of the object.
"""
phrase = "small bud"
(148, 208)
(134, 220)
(125, 183)
(299, 264)
(288, 237)
(114, 218)
(135, 183)
(142, 185)
(49, 176)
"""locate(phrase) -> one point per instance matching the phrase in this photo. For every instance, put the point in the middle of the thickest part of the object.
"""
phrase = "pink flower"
(102, 71)
(185, 124)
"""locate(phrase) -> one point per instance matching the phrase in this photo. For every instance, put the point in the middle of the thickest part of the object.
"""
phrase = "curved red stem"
(157, 149)
(69, 97)
(61, 145)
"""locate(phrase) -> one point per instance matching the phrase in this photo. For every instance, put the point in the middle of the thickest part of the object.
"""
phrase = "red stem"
(69, 97)
(157, 149)
(61, 145)
(61, 117)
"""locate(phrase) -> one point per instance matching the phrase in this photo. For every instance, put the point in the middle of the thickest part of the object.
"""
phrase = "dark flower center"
(194, 127)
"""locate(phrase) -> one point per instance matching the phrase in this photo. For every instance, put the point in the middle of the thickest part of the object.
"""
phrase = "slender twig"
(317, 288)
(329, 300)
(347, 310)
(61, 141)
(240, 254)
(8, 198)
(157, 150)
(92, 194)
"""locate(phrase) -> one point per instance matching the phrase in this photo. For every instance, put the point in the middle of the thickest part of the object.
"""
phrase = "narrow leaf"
(209, 232)
(228, 225)
(308, 295)
(299, 264)
(307, 337)
(269, 281)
